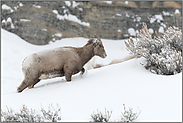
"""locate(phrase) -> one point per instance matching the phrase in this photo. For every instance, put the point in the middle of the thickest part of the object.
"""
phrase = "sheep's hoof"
(31, 86)
(18, 90)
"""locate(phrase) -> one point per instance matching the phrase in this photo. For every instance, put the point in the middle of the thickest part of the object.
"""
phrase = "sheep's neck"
(86, 53)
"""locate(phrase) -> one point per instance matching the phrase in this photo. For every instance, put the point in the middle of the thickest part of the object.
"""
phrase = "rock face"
(41, 22)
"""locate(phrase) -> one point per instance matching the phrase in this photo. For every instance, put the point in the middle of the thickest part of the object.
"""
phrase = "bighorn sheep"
(62, 61)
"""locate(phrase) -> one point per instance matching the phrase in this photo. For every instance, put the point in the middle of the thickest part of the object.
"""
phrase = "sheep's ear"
(95, 43)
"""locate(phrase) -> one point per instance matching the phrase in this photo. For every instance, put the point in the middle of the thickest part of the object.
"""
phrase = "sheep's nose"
(105, 55)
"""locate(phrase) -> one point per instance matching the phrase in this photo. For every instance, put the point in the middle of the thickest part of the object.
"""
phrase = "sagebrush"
(30, 115)
(100, 117)
(128, 115)
(163, 54)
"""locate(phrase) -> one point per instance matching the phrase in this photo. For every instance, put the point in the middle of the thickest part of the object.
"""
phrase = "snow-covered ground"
(158, 97)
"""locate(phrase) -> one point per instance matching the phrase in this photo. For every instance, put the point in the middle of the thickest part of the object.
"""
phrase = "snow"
(75, 4)
(4, 21)
(132, 32)
(152, 20)
(81, 9)
(162, 24)
(161, 29)
(159, 18)
(55, 11)
(58, 34)
(68, 3)
(10, 21)
(70, 17)
(175, 27)
(118, 14)
(158, 97)
(20, 4)
(108, 2)
(177, 12)
(127, 15)
(44, 29)
(25, 20)
(151, 30)
(5, 7)
(126, 2)
(165, 13)
(36, 6)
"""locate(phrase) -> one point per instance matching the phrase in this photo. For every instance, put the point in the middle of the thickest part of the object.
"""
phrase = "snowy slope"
(158, 97)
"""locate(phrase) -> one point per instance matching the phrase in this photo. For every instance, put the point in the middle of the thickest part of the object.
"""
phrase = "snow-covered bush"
(163, 54)
(99, 117)
(30, 115)
(128, 115)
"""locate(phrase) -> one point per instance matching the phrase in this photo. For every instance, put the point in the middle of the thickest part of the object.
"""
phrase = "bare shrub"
(53, 114)
(128, 115)
(99, 117)
(163, 54)
(30, 115)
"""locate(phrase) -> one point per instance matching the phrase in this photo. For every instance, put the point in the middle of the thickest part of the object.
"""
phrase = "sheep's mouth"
(104, 56)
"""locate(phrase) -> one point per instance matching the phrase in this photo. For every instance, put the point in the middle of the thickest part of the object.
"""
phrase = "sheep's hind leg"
(68, 76)
(82, 71)
(32, 85)
(22, 86)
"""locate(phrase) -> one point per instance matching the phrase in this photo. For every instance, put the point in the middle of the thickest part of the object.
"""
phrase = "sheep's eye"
(100, 45)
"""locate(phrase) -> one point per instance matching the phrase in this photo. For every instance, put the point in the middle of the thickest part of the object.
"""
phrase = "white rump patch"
(28, 61)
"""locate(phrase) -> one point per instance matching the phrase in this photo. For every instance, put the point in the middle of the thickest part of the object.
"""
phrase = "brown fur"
(62, 61)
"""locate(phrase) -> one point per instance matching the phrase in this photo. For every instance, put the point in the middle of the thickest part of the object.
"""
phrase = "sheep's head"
(99, 48)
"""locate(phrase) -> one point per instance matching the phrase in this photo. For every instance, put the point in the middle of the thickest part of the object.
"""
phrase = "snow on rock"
(118, 14)
(137, 31)
(138, 19)
(159, 18)
(177, 12)
(161, 29)
(162, 24)
(5, 7)
(25, 20)
(36, 6)
(20, 4)
(175, 27)
(126, 14)
(4, 21)
(10, 21)
(68, 3)
(75, 4)
(81, 9)
(58, 34)
(108, 2)
(119, 30)
(151, 30)
(165, 13)
(132, 32)
(44, 29)
(55, 11)
(126, 2)
(70, 17)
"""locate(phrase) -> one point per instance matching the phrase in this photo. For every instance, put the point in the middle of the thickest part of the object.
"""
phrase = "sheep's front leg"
(68, 72)
(68, 76)
(32, 86)
(82, 71)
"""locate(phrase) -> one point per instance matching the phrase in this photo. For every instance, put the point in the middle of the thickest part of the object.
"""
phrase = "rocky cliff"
(44, 21)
